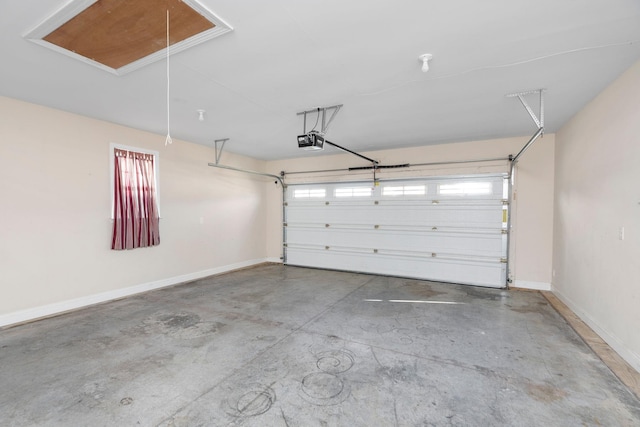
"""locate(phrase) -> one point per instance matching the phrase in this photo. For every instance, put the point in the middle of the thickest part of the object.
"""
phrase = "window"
(404, 190)
(466, 188)
(353, 192)
(135, 211)
(309, 193)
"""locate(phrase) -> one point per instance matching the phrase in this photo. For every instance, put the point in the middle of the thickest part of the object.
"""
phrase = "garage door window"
(309, 193)
(353, 192)
(466, 188)
(404, 190)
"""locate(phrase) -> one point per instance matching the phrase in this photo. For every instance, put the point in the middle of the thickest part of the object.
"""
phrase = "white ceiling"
(285, 56)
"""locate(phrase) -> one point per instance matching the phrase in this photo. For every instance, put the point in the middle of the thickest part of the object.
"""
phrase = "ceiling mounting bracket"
(314, 139)
(537, 119)
(219, 148)
(325, 123)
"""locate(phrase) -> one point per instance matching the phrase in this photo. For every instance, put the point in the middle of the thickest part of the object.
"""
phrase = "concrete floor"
(285, 346)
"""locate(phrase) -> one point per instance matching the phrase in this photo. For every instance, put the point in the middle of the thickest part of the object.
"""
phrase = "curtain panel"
(136, 223)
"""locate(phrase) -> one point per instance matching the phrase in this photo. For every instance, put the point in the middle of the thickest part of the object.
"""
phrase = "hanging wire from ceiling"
(168, 140)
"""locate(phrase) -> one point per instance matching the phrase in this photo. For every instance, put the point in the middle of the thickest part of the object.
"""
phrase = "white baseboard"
(614, 342)
(49, 310)
(538, 286)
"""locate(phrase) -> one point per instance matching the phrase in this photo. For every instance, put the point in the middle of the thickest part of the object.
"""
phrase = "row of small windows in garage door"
(461, 188)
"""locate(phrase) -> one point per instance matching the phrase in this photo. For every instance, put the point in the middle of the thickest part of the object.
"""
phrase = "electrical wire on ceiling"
(317, 118)
(490, 67)
(208, 77)
(168, 140)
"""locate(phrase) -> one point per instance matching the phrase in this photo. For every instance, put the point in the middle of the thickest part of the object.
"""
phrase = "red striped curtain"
(136, 223)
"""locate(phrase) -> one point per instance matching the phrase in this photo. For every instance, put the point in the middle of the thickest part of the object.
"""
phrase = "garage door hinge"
(327, 225)
(376, 226)
(505, 202)
(375, 251)
(435, 202)
(376, 202)
(433, 255)
(286, 204)
(503, 260)
(326, 247)
(326, 203)
(284, 224)
(286, 245)
(504, 231)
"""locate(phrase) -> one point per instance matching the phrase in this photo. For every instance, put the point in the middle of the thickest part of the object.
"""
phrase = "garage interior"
(462, 249)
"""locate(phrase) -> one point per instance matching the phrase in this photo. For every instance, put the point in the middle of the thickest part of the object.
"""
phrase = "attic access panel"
(121, 36)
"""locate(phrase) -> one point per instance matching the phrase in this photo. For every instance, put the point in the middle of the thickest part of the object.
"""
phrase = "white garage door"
(450, 229)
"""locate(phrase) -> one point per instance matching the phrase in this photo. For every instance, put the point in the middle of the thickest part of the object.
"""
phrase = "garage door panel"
(487, 243)
(475, 272)
(447, 216)
(457, 235)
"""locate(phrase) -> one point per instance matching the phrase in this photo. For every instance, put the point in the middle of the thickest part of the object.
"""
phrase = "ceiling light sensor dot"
(425, 58)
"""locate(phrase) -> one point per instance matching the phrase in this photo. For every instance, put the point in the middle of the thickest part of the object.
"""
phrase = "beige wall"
(55, 216)
(54, 177)
(532, 209)
(597, 192)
